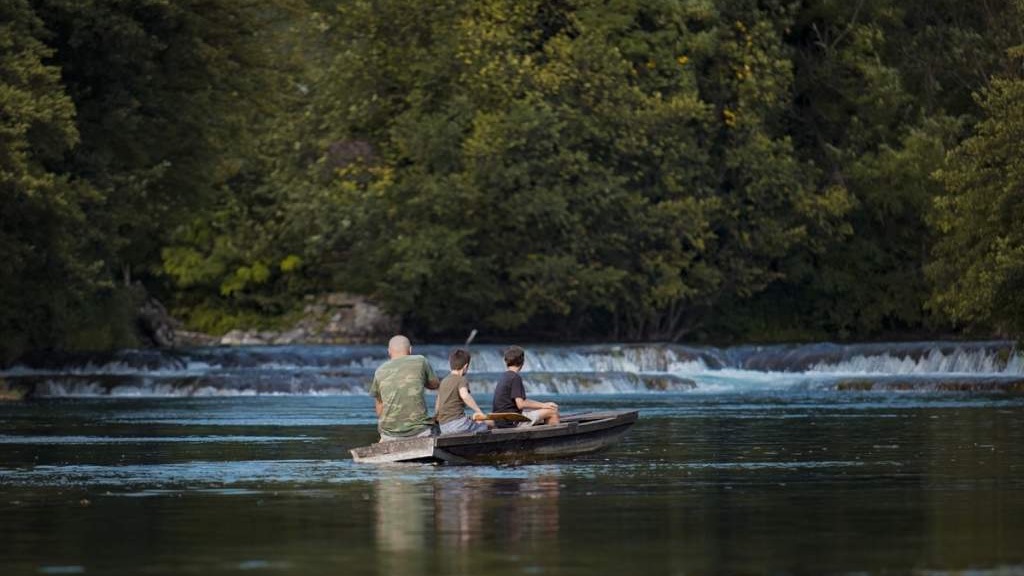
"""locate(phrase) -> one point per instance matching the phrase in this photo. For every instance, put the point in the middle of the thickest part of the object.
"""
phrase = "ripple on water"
(62, 569)
(76, 440)
(196, 473)
(246, 421)
(241, 477)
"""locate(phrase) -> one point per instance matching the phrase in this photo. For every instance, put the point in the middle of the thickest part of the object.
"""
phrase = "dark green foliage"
(121, 122)
(163, 92)
(629, 169)
(567, 168)
(979, 262)
(882, 91)
(47, 264)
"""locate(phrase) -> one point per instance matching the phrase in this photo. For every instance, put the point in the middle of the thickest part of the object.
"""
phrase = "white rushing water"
(554, 370)
(935, 362)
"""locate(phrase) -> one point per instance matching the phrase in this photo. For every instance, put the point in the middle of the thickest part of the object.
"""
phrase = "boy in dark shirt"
(453, 397)
(510, 396)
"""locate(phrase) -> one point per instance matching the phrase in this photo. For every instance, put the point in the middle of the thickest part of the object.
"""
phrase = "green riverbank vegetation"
(573, 169)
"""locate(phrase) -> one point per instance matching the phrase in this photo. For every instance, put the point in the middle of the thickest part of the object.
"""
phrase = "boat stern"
(411, 450)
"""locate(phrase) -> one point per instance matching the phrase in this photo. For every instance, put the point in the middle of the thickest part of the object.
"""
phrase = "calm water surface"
(758, 483)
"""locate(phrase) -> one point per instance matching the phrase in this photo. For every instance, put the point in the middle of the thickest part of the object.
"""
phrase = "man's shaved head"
(399, 346)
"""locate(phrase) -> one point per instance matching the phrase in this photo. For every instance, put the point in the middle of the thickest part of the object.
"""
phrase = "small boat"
(574, 435)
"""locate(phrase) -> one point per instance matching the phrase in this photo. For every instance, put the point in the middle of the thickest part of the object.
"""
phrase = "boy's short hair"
(458, 358)
(514, 356)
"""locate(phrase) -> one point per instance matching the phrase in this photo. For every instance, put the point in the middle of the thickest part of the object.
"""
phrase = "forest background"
(698, 170)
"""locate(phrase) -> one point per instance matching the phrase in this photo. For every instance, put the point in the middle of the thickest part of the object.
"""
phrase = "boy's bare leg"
(547, 416)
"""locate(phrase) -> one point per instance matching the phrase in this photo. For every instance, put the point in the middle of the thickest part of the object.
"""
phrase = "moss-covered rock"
(12, 392)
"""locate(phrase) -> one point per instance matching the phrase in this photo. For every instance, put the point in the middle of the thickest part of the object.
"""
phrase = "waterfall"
(550, 369)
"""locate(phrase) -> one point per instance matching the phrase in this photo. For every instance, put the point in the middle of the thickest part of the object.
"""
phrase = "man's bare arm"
(432, 384)
(378, 406)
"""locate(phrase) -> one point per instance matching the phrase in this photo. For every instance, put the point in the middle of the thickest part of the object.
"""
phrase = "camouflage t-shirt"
(399, 385)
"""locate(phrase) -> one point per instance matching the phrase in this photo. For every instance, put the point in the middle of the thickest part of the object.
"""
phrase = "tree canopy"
(724, 169)
(978, 269)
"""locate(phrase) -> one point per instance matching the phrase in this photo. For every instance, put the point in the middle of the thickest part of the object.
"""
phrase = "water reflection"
(869, 484)
(401, 516)
(458, 513)
(451, 520)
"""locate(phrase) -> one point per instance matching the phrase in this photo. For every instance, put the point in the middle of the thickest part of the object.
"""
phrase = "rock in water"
(156, 326)
(293, 336)
(187, 338)
(247, 338)
(12, 393)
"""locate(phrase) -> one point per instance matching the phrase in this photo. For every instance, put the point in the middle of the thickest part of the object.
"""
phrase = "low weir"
(994, 366)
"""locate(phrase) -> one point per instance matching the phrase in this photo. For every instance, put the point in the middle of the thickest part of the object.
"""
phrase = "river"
(818, 459)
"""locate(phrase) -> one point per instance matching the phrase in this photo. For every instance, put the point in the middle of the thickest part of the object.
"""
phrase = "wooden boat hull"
(575, 435)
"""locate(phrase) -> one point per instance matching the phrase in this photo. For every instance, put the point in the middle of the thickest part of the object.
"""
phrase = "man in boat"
(510, 395)
(397, 390)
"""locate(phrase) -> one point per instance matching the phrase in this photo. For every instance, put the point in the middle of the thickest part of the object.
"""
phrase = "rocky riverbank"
(336, 318)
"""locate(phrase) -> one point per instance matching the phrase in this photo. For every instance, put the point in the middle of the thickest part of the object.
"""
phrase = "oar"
(504, 416)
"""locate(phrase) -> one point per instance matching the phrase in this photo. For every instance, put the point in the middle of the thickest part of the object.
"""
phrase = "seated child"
(510, 396)
(453, 397)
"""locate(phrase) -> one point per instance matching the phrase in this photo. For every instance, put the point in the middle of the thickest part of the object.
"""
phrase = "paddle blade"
(505, 416)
